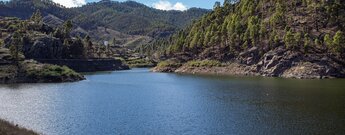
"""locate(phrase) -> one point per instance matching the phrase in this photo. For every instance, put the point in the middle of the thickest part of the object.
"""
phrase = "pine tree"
(88, 45)
(289, 39)
(338, 41)
(67, 27)
(16, 45)
(298, 38)
(216, 5)
(37, 17)
(328, 41)
(113, 41)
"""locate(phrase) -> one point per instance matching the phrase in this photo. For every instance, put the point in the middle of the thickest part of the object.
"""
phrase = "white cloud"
(166, 5)
(71, 3)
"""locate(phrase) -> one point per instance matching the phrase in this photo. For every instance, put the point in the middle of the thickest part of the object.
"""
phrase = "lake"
(141, 102)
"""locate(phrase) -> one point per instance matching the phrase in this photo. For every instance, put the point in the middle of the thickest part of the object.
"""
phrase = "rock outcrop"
(43, 47)
(30, 71)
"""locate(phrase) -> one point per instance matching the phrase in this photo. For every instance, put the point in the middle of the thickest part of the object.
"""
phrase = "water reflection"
(140, 102)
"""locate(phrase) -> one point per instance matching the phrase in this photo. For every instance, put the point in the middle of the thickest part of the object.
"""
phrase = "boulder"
(43, 47)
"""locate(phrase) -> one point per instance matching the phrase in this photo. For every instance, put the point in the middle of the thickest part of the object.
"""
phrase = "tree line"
(236, 25)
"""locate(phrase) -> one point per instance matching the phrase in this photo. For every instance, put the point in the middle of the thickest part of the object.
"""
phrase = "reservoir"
(141, 102)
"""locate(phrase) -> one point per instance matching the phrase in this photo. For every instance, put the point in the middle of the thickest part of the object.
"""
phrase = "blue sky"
(159, 4)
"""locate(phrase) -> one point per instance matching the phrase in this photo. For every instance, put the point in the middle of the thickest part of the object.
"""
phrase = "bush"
(204, 63)
(139, 63)
(51, 71)
(168, 63)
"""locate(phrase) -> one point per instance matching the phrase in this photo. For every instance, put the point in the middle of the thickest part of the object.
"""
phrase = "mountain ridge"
(129, 17)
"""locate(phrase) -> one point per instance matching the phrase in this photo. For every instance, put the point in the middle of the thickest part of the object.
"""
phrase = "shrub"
(204, 63)
(50, 71)
(168, 63)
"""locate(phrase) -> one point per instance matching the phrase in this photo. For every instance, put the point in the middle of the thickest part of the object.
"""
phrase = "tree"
(253, 29)
(195, 40)
(113, 41)
(278, 18)
(289, 39)
(58, 33)
(37, 17)
(88, 45)
(67, 27)
(227, 3)
(328, 41)
(298, 38)
(216, 5)
(338, 41)
(307, 42)
(16, 45)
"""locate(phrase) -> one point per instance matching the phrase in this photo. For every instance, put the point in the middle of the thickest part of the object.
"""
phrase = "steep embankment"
(292, 39)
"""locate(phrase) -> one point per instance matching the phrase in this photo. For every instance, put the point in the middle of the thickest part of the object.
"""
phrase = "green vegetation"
(204, 63)
(47, 71)
(127, 17)
(239, 25)
(339, 42)
(168, 63)
(139, 63)
(1, 43)
(16, 46)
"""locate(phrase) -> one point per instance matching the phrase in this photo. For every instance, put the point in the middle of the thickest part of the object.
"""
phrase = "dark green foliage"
(37, 17)
(67, 27)
(328, 41)
(52, 70)
(204, 63)
(265, 24)
(338, 42)
(127, 17)
(168, 63)
(289, 39)
(16, 46)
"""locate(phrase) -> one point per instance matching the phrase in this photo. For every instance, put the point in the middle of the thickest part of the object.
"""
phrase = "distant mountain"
(126, 17)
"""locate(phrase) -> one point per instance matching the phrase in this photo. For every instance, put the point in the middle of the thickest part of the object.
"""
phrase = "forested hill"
(127, 17)
(252, 31)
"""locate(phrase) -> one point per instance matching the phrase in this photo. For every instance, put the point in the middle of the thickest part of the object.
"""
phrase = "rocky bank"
(7, 128)
(279, 62)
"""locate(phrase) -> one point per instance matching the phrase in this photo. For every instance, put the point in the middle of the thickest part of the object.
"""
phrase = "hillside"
(129, 18)
(294, 38)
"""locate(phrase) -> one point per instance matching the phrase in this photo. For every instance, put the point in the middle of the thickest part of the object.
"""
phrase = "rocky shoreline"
(275, 63)
(7, 128)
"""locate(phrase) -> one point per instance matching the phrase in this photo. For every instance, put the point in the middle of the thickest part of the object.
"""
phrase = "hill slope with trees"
(128, 17)
(293, 38)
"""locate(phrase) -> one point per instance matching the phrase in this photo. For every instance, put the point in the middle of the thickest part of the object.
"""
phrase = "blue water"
(140, 102)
